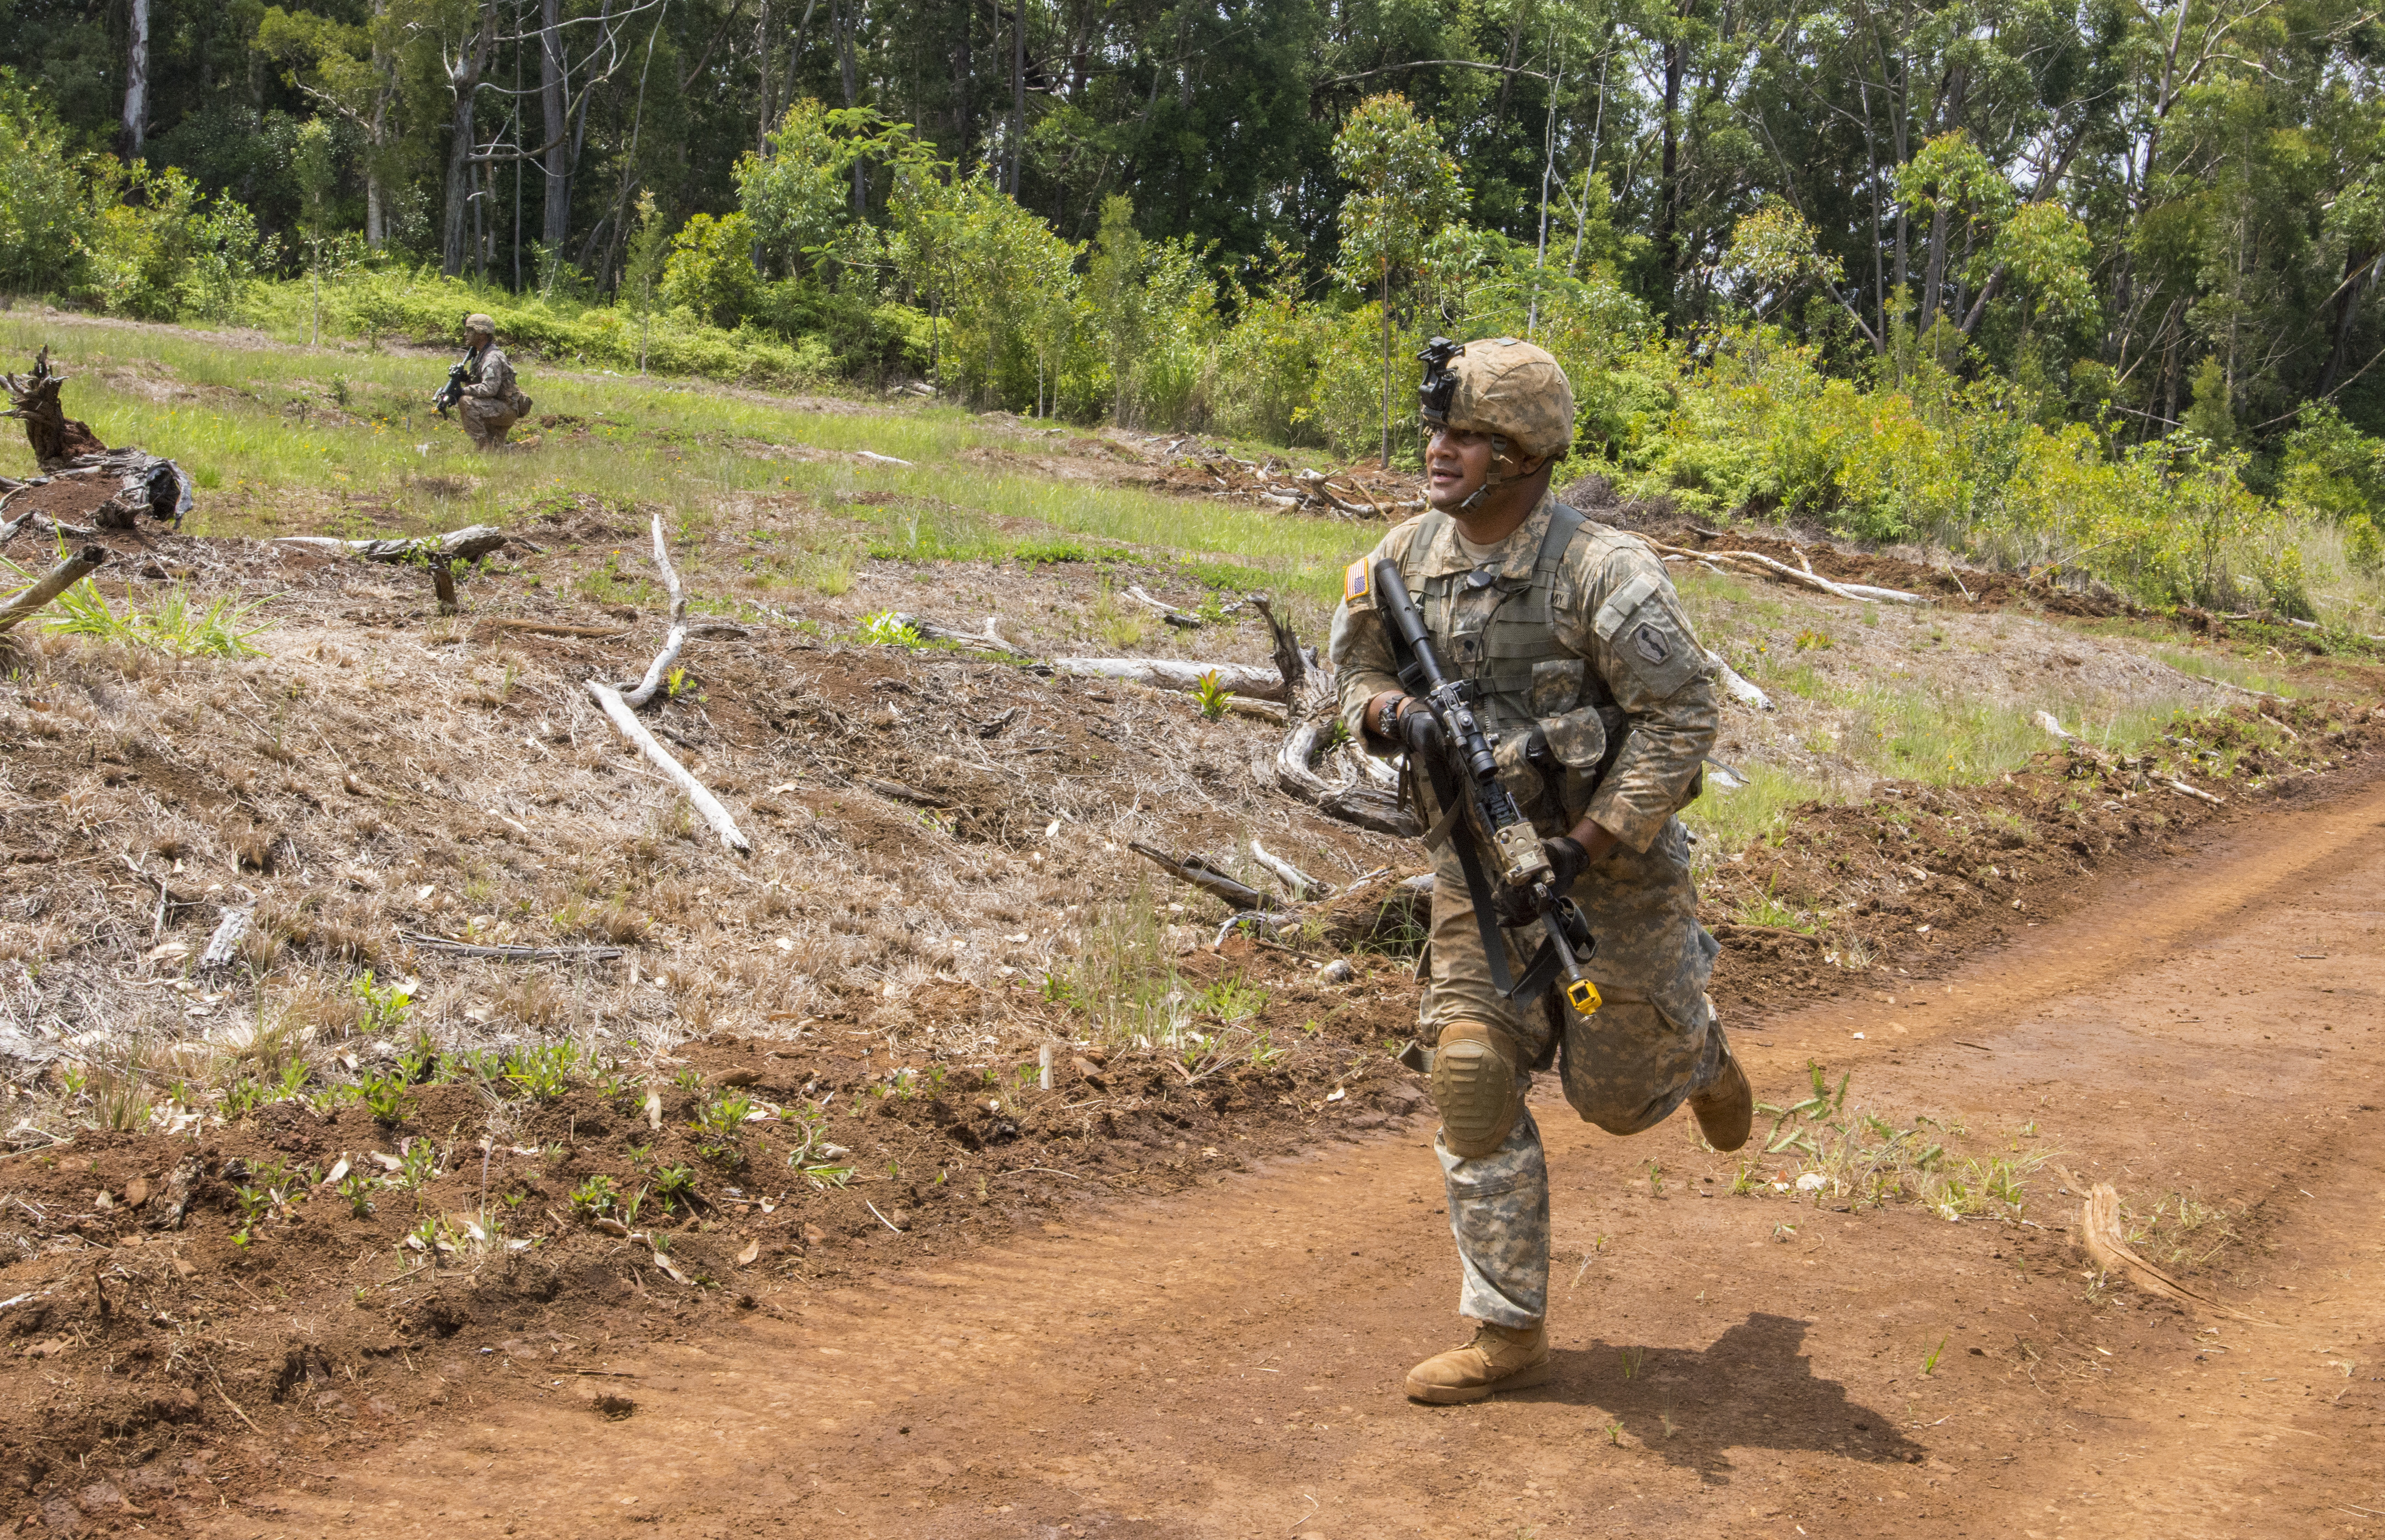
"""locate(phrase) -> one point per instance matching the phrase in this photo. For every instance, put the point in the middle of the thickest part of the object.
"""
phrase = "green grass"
(264, 434)
(2204, 663)
(1728, 821)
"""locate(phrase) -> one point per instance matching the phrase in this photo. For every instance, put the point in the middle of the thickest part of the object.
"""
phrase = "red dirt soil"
(1226, 1361)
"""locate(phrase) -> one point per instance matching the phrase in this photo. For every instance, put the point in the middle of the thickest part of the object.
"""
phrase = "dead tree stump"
(57, 439)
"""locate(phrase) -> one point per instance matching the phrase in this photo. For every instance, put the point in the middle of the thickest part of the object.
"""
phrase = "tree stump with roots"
(57, 440)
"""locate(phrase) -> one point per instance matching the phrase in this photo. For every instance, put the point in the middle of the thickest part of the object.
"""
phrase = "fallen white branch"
(1789, 574)
(1738, 686)
(2201, 796)
(990, 641)
(1892, 596)
(1299, 884)
(1168, 612)
(659, 757)
(1179, 673)
(677, 639)
(873, 455)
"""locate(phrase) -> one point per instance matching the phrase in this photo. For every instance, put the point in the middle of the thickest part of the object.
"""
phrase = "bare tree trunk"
(1387, 363)
(1017, 91)
(553, 89)
(2347, 311)
(136, 78)
(464, 81)
(844, 65)
(762, 70)
(377, 134)
(1668, 196)
(796, 53)
(963, 78)
(1934, 276)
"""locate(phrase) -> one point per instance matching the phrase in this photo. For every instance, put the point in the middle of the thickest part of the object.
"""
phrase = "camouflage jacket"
(492, 377)
(1583, 637)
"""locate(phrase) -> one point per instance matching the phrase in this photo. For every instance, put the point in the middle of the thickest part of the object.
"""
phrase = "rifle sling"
(1478, 886)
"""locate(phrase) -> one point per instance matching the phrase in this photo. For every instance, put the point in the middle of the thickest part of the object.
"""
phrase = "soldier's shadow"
(1751, 1389)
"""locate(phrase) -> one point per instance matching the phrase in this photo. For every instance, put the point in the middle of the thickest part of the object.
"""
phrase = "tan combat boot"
(1500, 1358)
(1725, 1109)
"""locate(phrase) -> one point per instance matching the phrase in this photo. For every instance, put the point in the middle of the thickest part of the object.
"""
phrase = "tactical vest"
(1555, 726)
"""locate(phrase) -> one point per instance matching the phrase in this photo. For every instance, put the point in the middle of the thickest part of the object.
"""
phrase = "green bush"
(42, 204)
(710, 271)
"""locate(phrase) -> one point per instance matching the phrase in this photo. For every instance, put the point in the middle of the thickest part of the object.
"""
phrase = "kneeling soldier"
(492, 402)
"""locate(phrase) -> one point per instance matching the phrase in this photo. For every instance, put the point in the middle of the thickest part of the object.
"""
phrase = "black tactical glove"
(1566, 858)
(1566, 861)
(1420, 730)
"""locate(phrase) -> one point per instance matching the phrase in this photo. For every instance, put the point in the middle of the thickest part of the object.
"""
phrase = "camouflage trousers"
(1652, 1043)
(486, 422)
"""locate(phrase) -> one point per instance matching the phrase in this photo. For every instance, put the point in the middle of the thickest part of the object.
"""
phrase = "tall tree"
(1406, 188)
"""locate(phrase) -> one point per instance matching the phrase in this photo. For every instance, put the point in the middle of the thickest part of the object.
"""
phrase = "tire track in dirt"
(1227, 1362)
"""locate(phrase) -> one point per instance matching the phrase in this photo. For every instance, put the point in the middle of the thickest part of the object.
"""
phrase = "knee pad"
(1474, 1087)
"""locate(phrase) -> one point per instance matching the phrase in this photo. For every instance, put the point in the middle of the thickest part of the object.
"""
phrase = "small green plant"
(721, 1122)
(240, 1097)
(294, 1075)
(598, 1195)
(541, 1072)
(358, 1188)
(384, 1007)
(417, 1164)
(386, 1097)
(1929, 1359)
(885, 628)
(1632, 1358)
(1212, 695)
(674, 1185)
(255, 1201)
(688, 1080)
(1655, 1179)
(1615, 1433)
(1231, 1001)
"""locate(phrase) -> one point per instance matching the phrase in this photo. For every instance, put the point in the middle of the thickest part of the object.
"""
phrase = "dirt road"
(1228, 1363)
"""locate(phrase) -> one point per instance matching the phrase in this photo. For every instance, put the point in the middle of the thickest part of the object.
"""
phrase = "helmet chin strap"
(1491, 479)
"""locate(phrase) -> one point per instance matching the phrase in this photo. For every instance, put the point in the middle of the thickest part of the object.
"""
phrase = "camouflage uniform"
(492, 403)
(1584, 636)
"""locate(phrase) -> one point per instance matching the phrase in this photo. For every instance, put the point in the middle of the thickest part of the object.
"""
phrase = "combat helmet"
(1500, 385)
(484, 324)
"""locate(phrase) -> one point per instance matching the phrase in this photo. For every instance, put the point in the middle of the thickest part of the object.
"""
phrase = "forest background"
(2087, 284)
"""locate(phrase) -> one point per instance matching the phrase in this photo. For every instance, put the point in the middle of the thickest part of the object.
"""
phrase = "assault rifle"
(450, 393)
(1466, 775)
